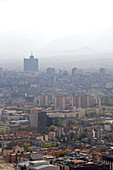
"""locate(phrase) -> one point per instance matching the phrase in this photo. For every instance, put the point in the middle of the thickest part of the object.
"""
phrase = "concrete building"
(83, 101)
(51, 135)
(60, 102)
(31, 64)
(43, 100)
(38, 119)
(108, 160)
(39, 165)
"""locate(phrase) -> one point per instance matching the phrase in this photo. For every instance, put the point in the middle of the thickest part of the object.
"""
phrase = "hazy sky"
(55, 18)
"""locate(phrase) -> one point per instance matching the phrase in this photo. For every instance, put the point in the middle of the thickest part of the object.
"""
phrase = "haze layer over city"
(56, 84)
(58, 32)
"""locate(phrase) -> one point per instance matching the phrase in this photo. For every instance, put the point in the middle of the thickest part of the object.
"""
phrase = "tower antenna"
(31, 53)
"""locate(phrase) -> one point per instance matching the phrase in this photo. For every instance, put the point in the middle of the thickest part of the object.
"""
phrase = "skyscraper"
(31, 64)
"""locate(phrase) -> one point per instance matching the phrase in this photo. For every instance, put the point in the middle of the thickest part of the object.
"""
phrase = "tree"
(62, 125)
(8, 131)
(26, 147)
(83, 135)
(64, 140)
(107, 123)
(75, 122)
(47, 145)
(103, 150)
(53, 127)
(9, 146)
(57, 145)
(62, 154)
(85, 130)
(72, 123)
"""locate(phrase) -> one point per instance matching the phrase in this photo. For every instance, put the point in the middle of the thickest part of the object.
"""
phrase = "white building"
(37, 165)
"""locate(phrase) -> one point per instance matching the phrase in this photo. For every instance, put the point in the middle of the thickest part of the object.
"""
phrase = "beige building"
(51, 135)
(60, 102)
(42, 138)
(43, 100)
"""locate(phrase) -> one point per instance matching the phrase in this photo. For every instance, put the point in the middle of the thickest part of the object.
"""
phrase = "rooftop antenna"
(31, 57)
(31, 53)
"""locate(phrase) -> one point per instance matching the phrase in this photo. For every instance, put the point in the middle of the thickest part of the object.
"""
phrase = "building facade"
(31, 64)
(38, 119)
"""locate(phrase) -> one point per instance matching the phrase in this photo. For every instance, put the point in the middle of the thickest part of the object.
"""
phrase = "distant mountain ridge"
(19, 45)
(80, 51)
(90, 43)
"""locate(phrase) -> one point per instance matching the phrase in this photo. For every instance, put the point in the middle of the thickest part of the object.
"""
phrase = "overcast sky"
(55, 18)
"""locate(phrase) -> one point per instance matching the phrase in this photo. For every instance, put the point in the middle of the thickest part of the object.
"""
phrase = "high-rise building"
(83, 101)
(74, 71)
(60, 102)
(102, 70)
(78, 101)
(38, 119)
(31, 64)
(43, 100)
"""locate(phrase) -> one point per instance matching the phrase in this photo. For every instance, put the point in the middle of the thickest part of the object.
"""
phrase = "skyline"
(55, 29)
